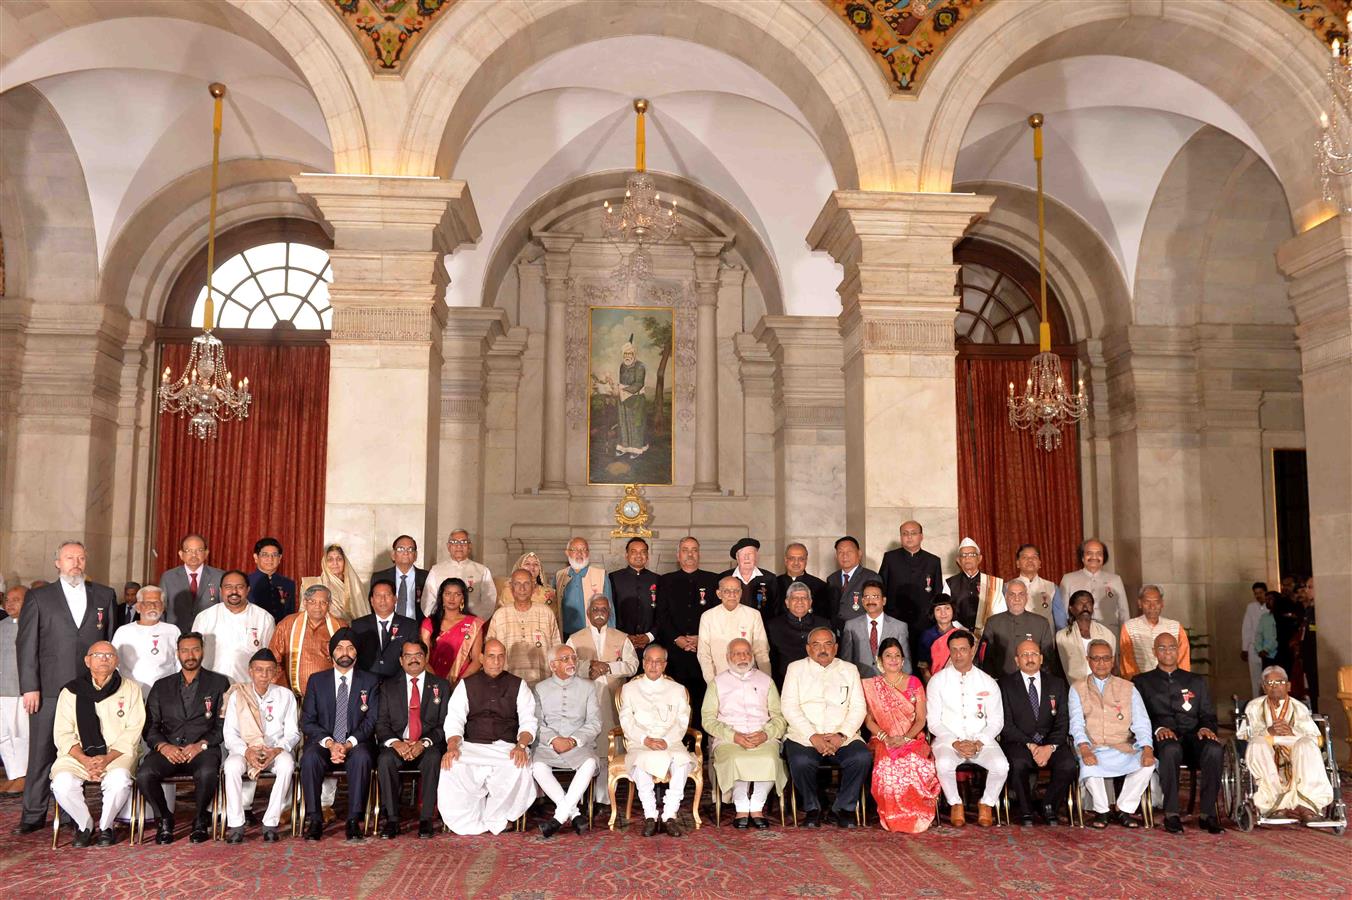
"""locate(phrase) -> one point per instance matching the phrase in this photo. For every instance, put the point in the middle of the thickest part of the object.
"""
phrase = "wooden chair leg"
(611, 784)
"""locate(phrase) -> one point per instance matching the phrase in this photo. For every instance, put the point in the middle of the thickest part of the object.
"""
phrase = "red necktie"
(192, 584)
(414, 711)
(873, 637)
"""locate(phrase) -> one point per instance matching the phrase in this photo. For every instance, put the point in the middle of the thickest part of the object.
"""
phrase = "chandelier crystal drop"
(204, 392)
(641, 218)
(1044, 404)
(1333, 147)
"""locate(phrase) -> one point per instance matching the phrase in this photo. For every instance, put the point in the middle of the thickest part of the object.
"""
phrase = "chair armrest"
(613, 739)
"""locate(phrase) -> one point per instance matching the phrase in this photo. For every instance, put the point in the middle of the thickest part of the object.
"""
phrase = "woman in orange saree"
(905, 785)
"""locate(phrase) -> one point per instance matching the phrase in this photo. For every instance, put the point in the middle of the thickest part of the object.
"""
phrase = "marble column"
(390, 237)
(558, 258)
(1319, 264)
(896, 322)
(707, 264)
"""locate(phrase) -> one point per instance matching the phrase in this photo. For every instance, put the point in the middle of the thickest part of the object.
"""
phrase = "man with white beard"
(569, 721)
(742, 715)
(577, 583)
(146, 649)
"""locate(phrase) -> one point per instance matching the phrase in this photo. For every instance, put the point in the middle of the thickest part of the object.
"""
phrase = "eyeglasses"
(1100, 659)
(457, 543)
(1275, 683)
(968, 553)
(102, 655)
(269, 556)
(405, 549)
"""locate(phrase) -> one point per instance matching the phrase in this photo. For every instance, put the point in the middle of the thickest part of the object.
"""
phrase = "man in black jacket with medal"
(682, 597)
(1036, 734)
(635, 591)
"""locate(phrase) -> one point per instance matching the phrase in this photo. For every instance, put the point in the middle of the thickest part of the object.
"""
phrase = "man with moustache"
(410, 729)
(407, 581)
(1004, 631)
(608, 660)
(301, 641)
(977, 595)
(1110, 596)
(380, 634)
(634, 591)
(861, 636)
(145, 648)
(729, 620)
(1036, 734)
(795, 569)
(683, 597)
(742, 715)
(60, 622)
(234, 629)
(483, 593)
(527, 629)
(846, 583)
(655, 713)
(260, 734)
(13, 718)
(576, 582)
(569, 722)
(1072, 642)
(193, 586)
(185, 715)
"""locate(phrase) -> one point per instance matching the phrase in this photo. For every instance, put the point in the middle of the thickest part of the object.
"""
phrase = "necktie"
(414, 711)
(873, 637)
(192, 584)
(384, 635)
(1036, 704)
(340, 714)
(403, 593)
(844, 580)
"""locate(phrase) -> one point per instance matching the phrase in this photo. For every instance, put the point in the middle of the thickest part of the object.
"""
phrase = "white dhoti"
(484, 790)
(749, 796)
(13, 737)
(1309, 786)
(566, 803)
(991, 758)
(1133, 786)
(677, 771)
(284, 767)
(68, 789)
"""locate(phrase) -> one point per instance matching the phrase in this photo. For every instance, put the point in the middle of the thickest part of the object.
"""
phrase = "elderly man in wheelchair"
(1285, 772)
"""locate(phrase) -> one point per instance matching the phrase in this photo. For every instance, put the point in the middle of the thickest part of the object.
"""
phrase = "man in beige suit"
(607, 657)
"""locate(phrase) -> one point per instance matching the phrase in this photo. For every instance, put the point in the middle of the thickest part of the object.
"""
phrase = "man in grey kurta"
(633, 406)
(570, 719)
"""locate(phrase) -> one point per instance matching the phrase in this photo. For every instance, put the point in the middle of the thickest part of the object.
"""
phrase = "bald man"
(1036, 734)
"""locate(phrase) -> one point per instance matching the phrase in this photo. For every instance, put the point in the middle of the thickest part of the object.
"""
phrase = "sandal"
(1100, 821)
(1129, 821)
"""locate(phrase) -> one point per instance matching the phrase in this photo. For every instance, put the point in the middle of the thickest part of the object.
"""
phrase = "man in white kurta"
(260, 734)
(486, 781)
(569, 722)
(1072, 642)
(655, 713)
(1110, 595)
(726, 622)
(966, 714)
(233, 630)
(1279, 730)
(605, 657)
(823, 705)
(1111, 731)
(483, 593)
(108, 757)
(146, 649)
(742, 714)
(1248, 634)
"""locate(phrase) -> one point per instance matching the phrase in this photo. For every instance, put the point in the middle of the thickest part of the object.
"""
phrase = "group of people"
(489, 692)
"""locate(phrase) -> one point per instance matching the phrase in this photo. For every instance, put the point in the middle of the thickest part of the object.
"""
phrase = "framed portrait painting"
(630, 389)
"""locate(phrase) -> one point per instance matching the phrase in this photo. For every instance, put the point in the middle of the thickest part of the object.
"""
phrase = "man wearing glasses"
(269, 589)
(408, 579)
(1281, 732)
(483, 593)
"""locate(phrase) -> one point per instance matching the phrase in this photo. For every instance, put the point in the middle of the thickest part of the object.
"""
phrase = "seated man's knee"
(284, 764)
(1169, 752)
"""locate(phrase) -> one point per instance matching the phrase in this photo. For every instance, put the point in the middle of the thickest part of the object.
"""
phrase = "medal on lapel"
(155, 645)
(1120, 717)
(120, 711)
(1052, 698)
(394, 630)
(929, 583)
(760, 599)
(470, 585)
(254, 632)
(743, 634)
(701, 596)
(1187, 699)
(208, 703)
(269, 715)
(538, 643)
(856, 601)
(436, 694)
(980, 705)
(364, 707)
(100, 612)
(211, 592)
(652, 596)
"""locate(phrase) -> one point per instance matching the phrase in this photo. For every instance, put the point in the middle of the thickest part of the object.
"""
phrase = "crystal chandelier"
(204, 391)
(641, 218)
(1333, 147)
(1044, 403)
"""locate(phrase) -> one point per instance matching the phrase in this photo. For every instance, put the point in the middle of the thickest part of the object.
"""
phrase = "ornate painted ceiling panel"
(388, 30)
(905, 36)
(1326, 18)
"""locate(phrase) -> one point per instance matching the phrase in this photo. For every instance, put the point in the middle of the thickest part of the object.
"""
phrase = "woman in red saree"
(905, 785)
(455, 638)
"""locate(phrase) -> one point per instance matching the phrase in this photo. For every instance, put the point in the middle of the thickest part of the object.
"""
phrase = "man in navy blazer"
(857, 639)
(338, 735)
(404, 748)
(380, 635)
(846, 584)
(407, 579)
(1040, 740)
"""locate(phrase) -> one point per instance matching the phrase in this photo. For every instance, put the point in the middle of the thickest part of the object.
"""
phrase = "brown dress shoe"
(985, 815)
(957, 816)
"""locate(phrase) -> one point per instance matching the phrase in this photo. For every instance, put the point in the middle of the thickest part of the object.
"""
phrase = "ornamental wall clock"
(632, 514)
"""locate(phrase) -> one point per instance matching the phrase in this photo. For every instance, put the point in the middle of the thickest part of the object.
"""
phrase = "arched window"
(998, 303)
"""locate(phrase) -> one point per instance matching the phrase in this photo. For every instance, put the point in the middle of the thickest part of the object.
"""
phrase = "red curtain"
(260, 477)
(1010, 492)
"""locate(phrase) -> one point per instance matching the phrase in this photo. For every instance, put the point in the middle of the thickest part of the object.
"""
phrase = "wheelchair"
(1238, 785)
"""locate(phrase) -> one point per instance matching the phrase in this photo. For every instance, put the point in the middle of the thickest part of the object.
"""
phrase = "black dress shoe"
(649, 827)
(759, 822)
(1173, 825)
(28, 827)
(1211, 824)
(1049, 815)
(314, 828)
(673, 827)
(164, 833)
(426, 828)
(200, 834)
(270, 835)
(580, 825)
(1026, 821)
(235, 835)
(389, 831)
(107, 837)
(83, 838)
(549, 828)
(812, 818)
(354, 830)
(845, 818)
(741, 822)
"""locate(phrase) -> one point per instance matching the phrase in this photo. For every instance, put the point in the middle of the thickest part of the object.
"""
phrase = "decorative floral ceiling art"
(387, 30)
(905, 35)
(1326, 18)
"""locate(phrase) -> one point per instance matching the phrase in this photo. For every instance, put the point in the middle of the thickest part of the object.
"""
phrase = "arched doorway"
(1009, 491)
(263, 476)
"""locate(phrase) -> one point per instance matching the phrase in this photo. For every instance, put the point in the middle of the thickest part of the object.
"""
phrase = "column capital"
(708, 251)
(1319, 264)
(375, 212)
(558, 258)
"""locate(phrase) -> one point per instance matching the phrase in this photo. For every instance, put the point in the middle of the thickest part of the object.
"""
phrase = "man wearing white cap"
(976, 595)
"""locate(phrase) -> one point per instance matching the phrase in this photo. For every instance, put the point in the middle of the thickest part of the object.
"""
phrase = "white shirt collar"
(385, 621)
(417, 678)
(879, 620)
(755, 573)
(197, 571)
(348, 675)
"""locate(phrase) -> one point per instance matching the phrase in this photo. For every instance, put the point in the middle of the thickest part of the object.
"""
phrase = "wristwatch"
(426, 743)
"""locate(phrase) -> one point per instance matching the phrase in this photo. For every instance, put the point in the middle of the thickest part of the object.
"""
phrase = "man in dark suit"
(406, 579)
(338, 719)
(1041, 740)
(912, 577)
(378, 636)
(788, 633)
(682, 597)
(862, 635)
(635, 591)
(126, 612)
(846, 583)
(192, 587)
(1184, 720)
(411, 732)
(184, 713)
(269, 589)
(795, 569)
(758, 585)
(60, 622)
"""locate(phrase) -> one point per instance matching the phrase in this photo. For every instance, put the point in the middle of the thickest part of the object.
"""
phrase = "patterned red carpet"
(712, 862)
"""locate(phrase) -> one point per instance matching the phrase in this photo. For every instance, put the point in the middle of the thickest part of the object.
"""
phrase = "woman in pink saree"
(905, 786)
(454, 637)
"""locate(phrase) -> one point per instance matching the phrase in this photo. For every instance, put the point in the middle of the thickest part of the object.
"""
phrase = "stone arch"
(566, 201)
(1209, 41)
(820, 65)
